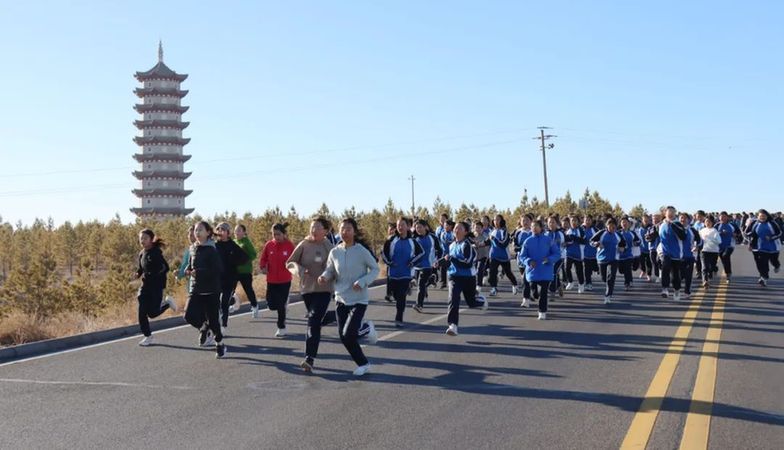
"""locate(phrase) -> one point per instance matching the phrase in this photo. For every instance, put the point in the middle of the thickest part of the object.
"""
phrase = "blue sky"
(304, 102)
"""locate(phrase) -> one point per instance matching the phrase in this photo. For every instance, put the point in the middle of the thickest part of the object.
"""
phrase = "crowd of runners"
(553, 254)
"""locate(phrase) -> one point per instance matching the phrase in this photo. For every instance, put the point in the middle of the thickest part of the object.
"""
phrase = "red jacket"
(273, 258)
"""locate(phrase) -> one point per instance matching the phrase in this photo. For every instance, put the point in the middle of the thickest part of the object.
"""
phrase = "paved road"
(586, 378)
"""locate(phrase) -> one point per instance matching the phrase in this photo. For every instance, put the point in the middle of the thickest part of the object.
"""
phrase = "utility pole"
(413, 208)
(544, 137)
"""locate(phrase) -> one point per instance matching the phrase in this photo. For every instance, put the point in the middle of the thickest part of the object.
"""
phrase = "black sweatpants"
(457, 286)
(202, 311)
(709, 261)
(764, 260)
(625, 267)
(481, 268)
(317, 304)
(423, 277)
(671, 273)
(246, 281)
(687, 274)
(726, 261)
(589, 267)
(655, 263)
(349, 321)
(149, 308)
(225, 301)
(542, 287)
(578, 268)
(277, 299)
(442, 275)
(507, 268)
(556, 275)
(646, 266)
(399, 288)
(608, 271)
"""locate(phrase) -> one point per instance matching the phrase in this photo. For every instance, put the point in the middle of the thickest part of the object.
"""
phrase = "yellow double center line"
(697, 429)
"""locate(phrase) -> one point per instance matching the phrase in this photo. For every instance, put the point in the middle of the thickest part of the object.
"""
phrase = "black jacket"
(152, 269)
(207, 268)
(231, 255)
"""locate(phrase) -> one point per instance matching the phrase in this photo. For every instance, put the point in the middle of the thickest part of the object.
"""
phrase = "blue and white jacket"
(461, 259)
(645, 246)
(499, 241)
(520, 235)
(589, 252)
(692, 240)
(539, 248)
(559, 239)
(671, 236)
(632, 240)
(764, 236)
(727, 232)
(575, 243)
(401, 255)
(446, 238)
(609, 245)
(431, 249)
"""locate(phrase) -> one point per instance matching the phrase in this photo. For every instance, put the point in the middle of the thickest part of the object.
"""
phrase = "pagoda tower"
(162, 191)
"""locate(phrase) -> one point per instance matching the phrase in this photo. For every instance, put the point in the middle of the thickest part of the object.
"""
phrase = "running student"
(431, 249)
(711, 243)
(653, 240)
(537, 256)
(186, 256)
(763, 235)
(352, 267)
(728, 232)
(626, 259)
(589, 252)
(646, 265)
(391, 230)
(609, 244)
(461, 258)
(691, 246)
(232, 256)
(447, 237)
(152, 269)
(499, 255)
(555, 233)
(203, 308)
(671, 237)
(482, 247)
(521, 235)
(575, 247)
(245, 271)
(401, 254)
(273, 263)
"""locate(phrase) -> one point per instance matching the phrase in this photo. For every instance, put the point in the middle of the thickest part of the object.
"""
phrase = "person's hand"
(263, 271)
(532, 264)
(356, 286)
(189, 272)
(322, 280)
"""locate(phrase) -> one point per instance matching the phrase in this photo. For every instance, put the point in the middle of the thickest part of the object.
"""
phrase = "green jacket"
(247, 246)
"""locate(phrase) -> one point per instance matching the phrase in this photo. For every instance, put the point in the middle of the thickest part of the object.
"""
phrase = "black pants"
(764, 260)
(709, 261)
(349, 321)
(399, 288)
(625, 267)
(317, 304)
(578, 269)
(481, 268)
(150, 308)
(423, 277)
(589, 267)
(246, 281)
(687, 273)
(698, 261)
(671, 272)
(507, 268)
(542, 287)
(442, 274)
(608, 271)
(528, 287)
(556, 275)
(202, 311)
(227, 291)
(465, 286)
(646, 266)
(726, 261)
(277, 299)
(655, 263)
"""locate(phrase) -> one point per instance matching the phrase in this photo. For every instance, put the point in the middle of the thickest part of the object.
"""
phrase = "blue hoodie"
(519, 238)
(610, 245)
(589, 252)
(446, 238)
(575, 244)
(645, 246)
(692, 237)
(727, 233)
(764, 237)
(559, 239)
(539, 248)
(461, 259)
(499, 241)
(401, 254)
(671, 236)
(431, 248)
(632, 240)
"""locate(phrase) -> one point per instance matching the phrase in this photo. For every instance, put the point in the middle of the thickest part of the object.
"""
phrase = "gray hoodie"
(349, 265)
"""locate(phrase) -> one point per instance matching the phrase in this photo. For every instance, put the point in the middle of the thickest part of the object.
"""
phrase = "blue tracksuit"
(692, 237)
(537, 248)
(575, 244)
(671, 235)
(589, 252)
(558, 239)
(461, 259)
(610, 245)
(519, 237)
(644, 245)
(727, 233)
(499, 241)
(632, 240)
(764, 237)
(401, 254)
(431, 249)
(447, 237)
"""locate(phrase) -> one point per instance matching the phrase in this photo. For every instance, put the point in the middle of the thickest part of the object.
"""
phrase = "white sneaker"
(210, 341)
(542, 316)
(224, 330)
(684, 296)
(254, 312)
(665, 293)
(514, 290)
(452, 330)
(607, 300)
(526, 303)
(589, 287)
(147, 341)
(281, 332)
(361, 370)
(658, 280)
(580, 289)
(372, 335)
(776, 269)
(479, 289)
(169, 300)
(486, 304)
(676, 296)
(493, 292)
(648, 278)
(569, 286)
(232, 308)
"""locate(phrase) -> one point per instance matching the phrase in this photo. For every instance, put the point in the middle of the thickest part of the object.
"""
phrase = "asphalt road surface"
(641, 372)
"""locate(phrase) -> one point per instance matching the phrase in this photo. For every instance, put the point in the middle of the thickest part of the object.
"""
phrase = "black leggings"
(423, 277)
(150, 308)
(556, 275)
(646, 266)
(625, 267)
(225, 300)
(764, 260)
(317, 304)
(349, 321)
(671, 269)
(399, 288)
(481, 268)
(277, 300)
(655, 263)
(202, 313)
(246, 281)
(541, 286)
(726, 261)
(578, 268)
(709, 261)
(507, 268)
(589, 267)
(687, 274)
(608, 271)
(461, 285)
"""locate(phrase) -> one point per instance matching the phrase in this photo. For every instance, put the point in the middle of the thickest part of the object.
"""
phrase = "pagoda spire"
(160, 50)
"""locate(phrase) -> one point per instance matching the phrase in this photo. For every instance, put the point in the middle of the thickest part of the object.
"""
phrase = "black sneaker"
(307, 365)
(203, 335)
(220, 350)
(388, 298)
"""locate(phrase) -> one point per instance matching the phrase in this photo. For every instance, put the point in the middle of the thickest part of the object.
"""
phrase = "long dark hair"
(156, 241)
(359, 235)
(281, 227)
(324, 222)
(207, 227)
(467, 228)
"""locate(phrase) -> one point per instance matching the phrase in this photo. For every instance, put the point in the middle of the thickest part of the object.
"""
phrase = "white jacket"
(710, 240)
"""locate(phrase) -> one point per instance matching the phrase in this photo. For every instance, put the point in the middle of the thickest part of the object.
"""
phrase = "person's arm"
(184, 264)
(386, 251)
(679, 231)
(466, 257)
(296, 255)
(437, 246)
(372, 267)
(419, 253)
(554, 255)
(526, 257)
(596, 240)
(330, 273)
(264, 257)
(776, 230)
(250, 249)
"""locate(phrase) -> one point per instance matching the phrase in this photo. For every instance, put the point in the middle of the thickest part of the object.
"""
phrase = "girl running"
(401, 254)
(728, 232)
(521, 235)
(232, 256)
(610, 245)
(646, 265)
(245, 271)
(482, 248)
(461, 258)
(555, 233)
(186, 256)
(424, 268)
(711, 243)
(152, 269)
(764, 235)
(499, 255)
(589, 252)
(205, 269)
(575, 247)
(537, 256)
(447, 237)
(671, 237)
(691, 245)
(273, 264)
(626, 257)
(352, 267)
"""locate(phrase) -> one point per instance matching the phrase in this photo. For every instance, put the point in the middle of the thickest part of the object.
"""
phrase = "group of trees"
(85, 267)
